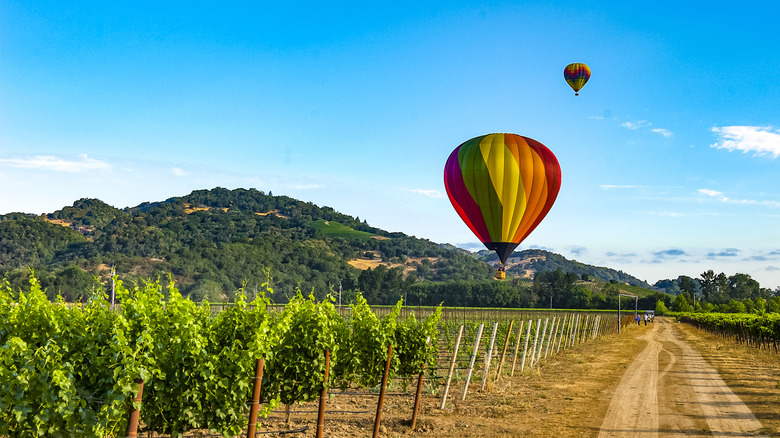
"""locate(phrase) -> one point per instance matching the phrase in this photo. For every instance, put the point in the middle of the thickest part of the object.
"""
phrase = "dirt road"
(670, 390)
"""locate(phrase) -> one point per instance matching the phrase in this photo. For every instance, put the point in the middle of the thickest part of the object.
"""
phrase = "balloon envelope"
(502, 186)
(576, 75)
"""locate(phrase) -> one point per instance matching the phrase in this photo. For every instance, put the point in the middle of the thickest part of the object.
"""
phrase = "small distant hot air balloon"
(502, 186)
(577, 75)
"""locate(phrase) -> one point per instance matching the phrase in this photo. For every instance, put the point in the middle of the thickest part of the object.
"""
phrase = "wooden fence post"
(541, 345)
(419, 391)
(536, 341)
(503, 350)
(132, 424)
(525, 348)
(471, 365)
(323, 396)
(489, 356)
(562, 333)
(381, 402)
(252, 426)
(553, 326)
(517, 347)
(453, 361)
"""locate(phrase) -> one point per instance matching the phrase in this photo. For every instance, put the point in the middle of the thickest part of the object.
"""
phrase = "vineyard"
(760, 331)
(178, 366)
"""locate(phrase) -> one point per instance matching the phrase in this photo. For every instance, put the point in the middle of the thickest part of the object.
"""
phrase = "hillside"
(213, 242)
(527, 262)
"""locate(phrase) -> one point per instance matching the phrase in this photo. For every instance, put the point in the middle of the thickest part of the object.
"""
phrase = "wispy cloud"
(645, 124)
(723, 198)
(728, 252)
(761, 140)
(179, 172)
(55, 164)
(636, 125)
(578, 250)
(665, 132)
(435, 194)
(669, 253)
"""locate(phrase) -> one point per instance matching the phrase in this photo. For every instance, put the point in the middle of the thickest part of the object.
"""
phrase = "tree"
(660, 308)
(688, 286)
(742, 286)
(207, 290)
(708, 285)
(681, 304)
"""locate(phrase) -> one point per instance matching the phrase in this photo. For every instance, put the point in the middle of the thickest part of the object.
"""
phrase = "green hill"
(214, 242)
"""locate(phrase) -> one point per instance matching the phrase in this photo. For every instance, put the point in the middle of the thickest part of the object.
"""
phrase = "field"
(335, 229)
(528, 372)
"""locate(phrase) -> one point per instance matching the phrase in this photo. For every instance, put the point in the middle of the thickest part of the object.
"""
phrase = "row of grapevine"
(72, 370)
(761, 331)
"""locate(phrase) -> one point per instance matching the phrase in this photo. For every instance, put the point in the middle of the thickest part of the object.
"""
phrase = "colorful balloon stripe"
(502, 186)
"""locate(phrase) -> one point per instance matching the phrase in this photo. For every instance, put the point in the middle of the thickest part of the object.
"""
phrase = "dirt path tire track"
(670, 390)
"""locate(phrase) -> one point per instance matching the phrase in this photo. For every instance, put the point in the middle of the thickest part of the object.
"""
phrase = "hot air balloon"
(502, 186)
(577, 75)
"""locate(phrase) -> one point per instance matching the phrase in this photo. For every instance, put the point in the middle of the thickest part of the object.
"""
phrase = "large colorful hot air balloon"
(502, 186)
(577, 75)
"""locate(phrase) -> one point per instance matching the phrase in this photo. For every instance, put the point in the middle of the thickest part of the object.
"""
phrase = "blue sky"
(668, 156)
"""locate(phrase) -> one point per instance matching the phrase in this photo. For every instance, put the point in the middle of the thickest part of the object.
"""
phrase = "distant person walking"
(637, 320)
(645, 317)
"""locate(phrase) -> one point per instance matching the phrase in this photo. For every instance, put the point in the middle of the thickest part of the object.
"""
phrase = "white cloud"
(52, 163)
(180, 172)
(712, 194)
(723, 198)
(435, 194)
(665, 132)
(759, 140)
(636, 125)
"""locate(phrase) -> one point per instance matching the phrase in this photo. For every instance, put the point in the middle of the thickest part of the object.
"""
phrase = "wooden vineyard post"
(471, 365)
(550, 337)
(503, 350)
(585, 329)
(132, 424)
(419, 391)
(252, 426)
(489, 355)
(525, 348)
(517, 348)
(563, 331)
(453, 361)
(536, 341)
(381, 402)
(324, 396)
(573, 333)
(541, 344)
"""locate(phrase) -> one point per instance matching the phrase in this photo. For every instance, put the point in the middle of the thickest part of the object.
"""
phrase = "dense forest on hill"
(213, 242)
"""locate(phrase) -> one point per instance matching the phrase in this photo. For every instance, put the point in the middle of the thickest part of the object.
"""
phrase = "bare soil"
(661, 380)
